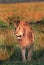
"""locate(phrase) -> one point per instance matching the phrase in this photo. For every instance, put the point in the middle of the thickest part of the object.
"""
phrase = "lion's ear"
(16, 23)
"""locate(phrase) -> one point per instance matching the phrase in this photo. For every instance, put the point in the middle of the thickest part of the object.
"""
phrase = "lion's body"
(25, 35)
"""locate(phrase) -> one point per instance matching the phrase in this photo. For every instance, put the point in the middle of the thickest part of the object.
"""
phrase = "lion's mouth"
(19, 37)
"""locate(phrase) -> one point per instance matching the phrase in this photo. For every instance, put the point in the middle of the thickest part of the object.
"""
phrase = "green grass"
(4, 25)
(16, 59)
(23, 63)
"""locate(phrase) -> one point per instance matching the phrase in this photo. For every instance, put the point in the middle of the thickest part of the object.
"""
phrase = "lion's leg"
(29, 57)
(23, 50)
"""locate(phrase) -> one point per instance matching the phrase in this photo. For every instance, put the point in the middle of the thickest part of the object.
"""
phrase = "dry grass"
(28, 11)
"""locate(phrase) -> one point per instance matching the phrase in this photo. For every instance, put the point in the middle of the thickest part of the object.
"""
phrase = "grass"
(29, 11)
(16, 59)
(21, 63)
(4, 26)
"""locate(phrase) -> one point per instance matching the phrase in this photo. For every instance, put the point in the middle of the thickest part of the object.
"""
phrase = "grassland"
(15, 58)
(28, 11)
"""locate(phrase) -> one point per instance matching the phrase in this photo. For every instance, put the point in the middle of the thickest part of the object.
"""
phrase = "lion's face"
(19, 31)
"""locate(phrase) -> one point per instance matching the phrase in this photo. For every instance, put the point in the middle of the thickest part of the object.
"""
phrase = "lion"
(25, 36)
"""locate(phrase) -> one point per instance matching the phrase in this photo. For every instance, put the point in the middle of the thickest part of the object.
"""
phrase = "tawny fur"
(25, 36)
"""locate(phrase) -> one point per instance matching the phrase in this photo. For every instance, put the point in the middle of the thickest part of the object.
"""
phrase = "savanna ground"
(10, 53)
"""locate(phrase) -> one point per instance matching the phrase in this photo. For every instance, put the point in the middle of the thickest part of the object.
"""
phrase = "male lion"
(25, 36)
